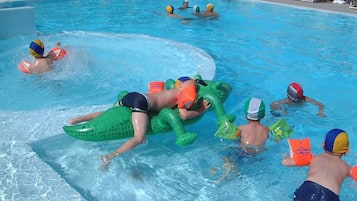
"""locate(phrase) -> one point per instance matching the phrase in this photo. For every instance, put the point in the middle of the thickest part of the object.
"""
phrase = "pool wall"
(16, 20)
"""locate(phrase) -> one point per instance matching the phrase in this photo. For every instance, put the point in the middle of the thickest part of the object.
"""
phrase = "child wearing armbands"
(327, 171)
(253, 135)
(42, 63)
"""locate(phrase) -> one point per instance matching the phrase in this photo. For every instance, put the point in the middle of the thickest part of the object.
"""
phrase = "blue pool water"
(258, 48)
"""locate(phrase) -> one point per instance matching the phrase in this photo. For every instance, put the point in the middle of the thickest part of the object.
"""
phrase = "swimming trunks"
(239, 155)
(137, 102)
(311, 191)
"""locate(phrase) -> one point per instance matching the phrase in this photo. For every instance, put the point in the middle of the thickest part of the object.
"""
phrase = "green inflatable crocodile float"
(115, 123)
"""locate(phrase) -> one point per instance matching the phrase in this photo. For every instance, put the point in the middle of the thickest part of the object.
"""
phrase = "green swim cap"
(254, 109)
(196, 9)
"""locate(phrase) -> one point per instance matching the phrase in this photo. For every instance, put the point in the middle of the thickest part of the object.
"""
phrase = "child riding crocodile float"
(116, 123)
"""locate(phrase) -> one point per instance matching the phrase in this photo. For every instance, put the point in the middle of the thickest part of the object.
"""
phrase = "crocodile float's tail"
(114, 123)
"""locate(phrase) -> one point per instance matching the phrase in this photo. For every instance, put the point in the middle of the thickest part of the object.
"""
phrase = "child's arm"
(276, 105)
(288, 161)
(87, 117)
(318, 104)
(189, 114)
(296, 157)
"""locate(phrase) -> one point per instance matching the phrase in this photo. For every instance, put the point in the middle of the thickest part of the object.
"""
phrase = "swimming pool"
(258, 48)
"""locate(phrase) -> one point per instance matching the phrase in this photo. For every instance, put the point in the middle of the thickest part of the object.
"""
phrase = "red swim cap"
(295, 91)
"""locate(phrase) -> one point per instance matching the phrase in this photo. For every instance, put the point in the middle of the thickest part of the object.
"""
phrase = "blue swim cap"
(37, 48)
(336, 141)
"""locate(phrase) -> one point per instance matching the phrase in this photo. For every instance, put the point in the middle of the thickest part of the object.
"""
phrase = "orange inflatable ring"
(300, 151)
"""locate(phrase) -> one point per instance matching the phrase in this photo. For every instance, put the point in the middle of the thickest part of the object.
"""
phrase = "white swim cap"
(254, 109)
(196, 9)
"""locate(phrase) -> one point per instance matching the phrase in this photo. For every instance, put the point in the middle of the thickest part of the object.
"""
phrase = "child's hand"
(321, 114)
(206, 104)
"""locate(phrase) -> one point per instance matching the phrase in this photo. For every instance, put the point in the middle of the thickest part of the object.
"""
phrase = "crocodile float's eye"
(201, 82)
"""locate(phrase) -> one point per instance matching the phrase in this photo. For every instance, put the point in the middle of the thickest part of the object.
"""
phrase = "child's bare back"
(164, 99)
(41, 65)
(329, 171)
(253, 133)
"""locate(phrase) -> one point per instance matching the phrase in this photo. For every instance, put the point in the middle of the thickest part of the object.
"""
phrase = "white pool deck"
(321, 5)
(24, 176)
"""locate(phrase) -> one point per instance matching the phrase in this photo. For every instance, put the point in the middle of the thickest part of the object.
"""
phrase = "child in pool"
(327, 171)
(209, 11)
(252, 135)
(170, 11)
(42, 63)
(295, 95)
(184, 5)
(140, 104)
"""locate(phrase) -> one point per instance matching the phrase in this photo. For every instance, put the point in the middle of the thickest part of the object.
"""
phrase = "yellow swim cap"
(336, 141)
(170, 9)
(210, 7)
(37, 48)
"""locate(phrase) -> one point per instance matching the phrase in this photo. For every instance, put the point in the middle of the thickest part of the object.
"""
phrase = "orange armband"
(353, 172)
(24, 66)
(186, 97)
(300, 151)
(156, 86)
(59, 53)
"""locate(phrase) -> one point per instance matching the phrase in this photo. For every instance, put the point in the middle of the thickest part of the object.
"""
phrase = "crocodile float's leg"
(172, 118)
(218, 109)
